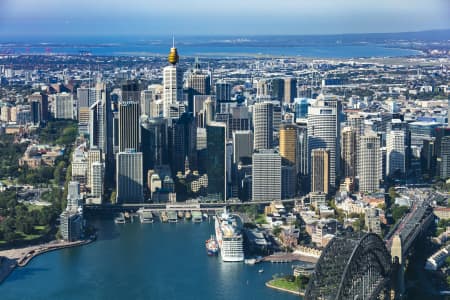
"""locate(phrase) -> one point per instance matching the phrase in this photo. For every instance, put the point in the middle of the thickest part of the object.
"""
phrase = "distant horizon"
(187, 35)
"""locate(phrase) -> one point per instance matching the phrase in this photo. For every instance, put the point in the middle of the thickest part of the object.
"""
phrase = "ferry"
(197, 216)
(212, 247)
(180, 214)
(172, 216)
(229, 237)
(145, 215)
(188, 215)
(120, 219)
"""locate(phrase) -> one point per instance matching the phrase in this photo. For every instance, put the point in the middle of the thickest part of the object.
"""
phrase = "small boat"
(120, 219)
(197, 217)
(164, 217)
(127, 215)
(205, 215)
(250, 261)
(172, 216)
(212, 246)
(188, 215)
(145, 215)
(260, 270)
(180, 214)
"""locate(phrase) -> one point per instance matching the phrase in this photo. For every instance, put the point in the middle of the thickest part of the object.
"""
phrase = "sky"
(227, 17)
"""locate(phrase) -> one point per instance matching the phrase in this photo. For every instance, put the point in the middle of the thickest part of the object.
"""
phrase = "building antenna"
(173, 41)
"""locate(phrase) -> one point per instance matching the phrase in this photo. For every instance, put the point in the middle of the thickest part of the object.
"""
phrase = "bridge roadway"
(412, 223)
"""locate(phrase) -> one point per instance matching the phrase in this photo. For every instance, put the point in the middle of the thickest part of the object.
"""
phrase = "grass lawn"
(285, 284)
(32, 207)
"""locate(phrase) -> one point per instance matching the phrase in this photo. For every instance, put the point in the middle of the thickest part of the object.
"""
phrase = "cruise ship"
(229, 237)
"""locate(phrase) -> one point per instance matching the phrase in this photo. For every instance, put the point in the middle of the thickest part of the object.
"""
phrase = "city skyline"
(137, 17)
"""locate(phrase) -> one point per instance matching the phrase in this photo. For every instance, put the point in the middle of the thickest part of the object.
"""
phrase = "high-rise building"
(288, 143)
(154, 142)
(266, 175)
(131, 92)
(320, 170)
(216, 166)
(288, 181)
(369, 165)
(223, 93)
(40, 109)
(129, 177)
(302, 158)
(348, 152)
(277, 89)
(74, 198)
(98, 123)
(395, 152)
(301, 108)
(94, 155)
(263, 125)
(442, 149)
(182, 139)
(324, 131)
(97, 176)
(290, 90)
(242, 145)
(173, 86)
(62, 106)
(129, 129)
(356, 123)
(198, 82)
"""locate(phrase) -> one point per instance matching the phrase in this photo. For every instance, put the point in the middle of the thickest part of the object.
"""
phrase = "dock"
(288, 257)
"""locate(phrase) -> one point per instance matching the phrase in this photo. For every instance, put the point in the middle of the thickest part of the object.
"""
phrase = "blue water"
(142, 261)
(319, 47)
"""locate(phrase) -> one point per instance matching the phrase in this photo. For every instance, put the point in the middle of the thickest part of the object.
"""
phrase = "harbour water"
(278, 46)
(142, 261)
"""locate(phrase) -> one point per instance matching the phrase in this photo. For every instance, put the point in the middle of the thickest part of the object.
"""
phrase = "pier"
(288, 257)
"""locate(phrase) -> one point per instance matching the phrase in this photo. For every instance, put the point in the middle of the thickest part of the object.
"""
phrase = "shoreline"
(21, 257)
(298, 293)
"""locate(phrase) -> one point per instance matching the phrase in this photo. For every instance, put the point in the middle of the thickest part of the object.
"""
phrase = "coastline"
(298, 293)
(21, 257)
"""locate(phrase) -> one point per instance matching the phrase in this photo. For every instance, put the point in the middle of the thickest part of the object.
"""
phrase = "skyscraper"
(198, 82)
(216, 161)
(173, 86)
(324, 131)
(263, 125)
(242, 145)
(302, 158)
(288, 143)
(395, 152)
(290, 90)
(129, 129)
(369, 165)
(42, 108)
(62, 106)
(182, 139)
(320, 170)
(348, 152)
(266, 175)
(129, 177)
(94, 155)
(97, 175)
(223, 93)
(154, 143)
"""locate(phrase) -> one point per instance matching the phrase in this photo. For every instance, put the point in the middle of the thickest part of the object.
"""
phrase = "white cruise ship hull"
(231, 249)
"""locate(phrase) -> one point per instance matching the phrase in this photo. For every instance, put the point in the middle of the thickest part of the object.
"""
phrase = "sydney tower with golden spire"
(173, 86)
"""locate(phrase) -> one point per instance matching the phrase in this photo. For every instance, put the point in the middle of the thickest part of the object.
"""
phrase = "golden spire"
(173, 55)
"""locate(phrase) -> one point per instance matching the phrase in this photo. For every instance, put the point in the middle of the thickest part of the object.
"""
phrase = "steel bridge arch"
(351, 267)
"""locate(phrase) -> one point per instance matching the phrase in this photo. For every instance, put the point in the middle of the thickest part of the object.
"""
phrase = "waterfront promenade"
(10, 259)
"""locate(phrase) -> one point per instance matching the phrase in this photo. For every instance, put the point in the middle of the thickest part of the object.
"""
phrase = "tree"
(276, 231)
(398, 212)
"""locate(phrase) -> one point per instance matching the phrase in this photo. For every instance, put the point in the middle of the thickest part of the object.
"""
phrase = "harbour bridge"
(355, 266)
